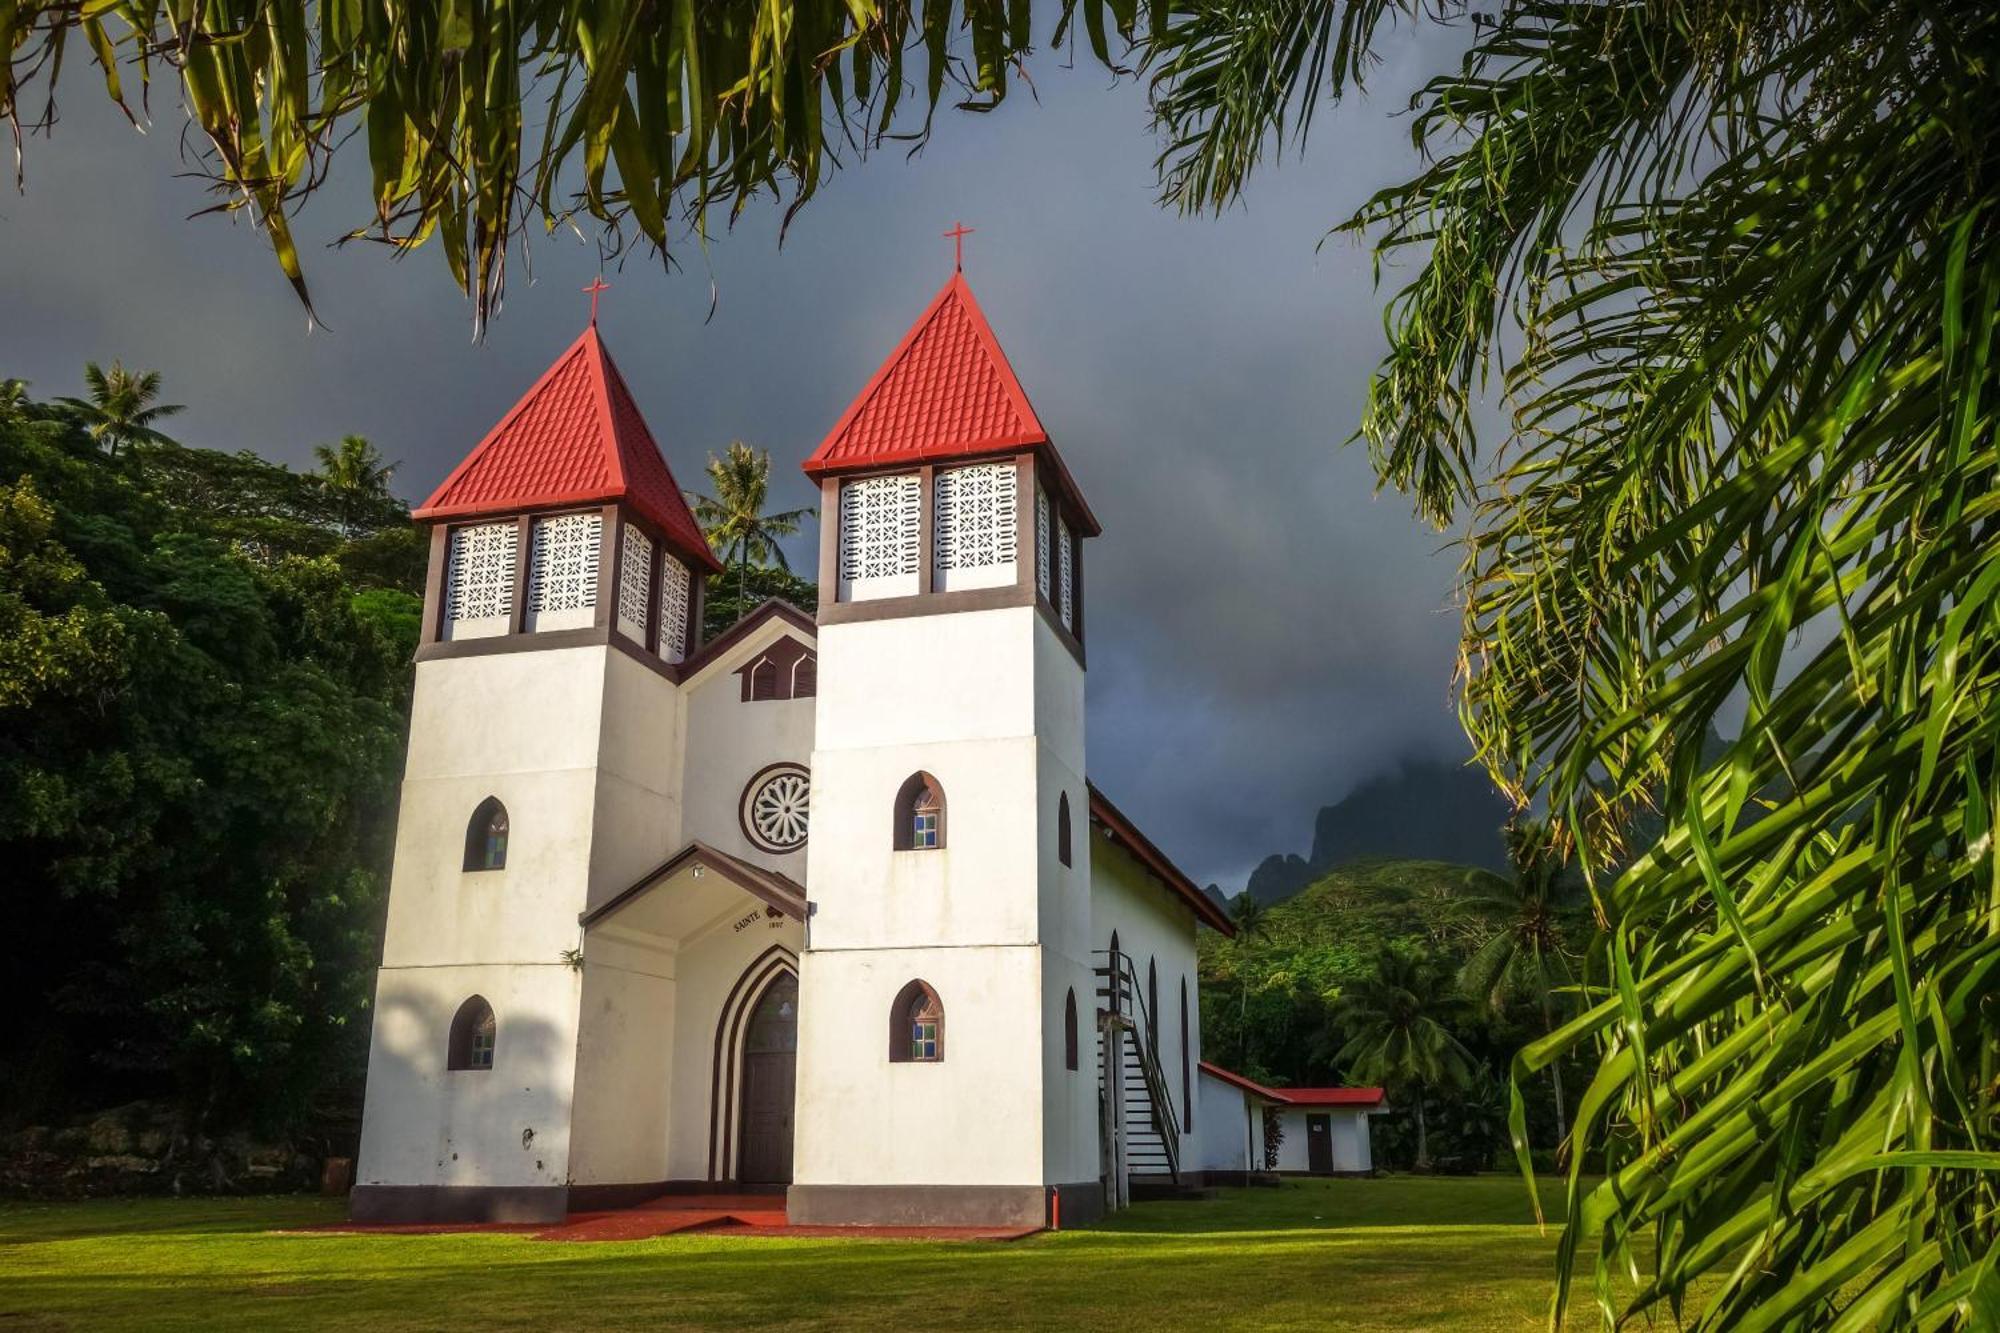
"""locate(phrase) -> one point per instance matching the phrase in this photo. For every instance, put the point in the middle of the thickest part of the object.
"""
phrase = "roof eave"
(1157, 862)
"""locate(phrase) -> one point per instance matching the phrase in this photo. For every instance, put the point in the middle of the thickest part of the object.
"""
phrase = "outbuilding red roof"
(1305, 1097)
(575, 438)
(946, 393)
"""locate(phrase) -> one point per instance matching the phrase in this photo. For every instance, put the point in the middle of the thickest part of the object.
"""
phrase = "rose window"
(774, 808)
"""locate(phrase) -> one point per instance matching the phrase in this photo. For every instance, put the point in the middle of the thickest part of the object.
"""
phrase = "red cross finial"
(959, 231)
(597, 284)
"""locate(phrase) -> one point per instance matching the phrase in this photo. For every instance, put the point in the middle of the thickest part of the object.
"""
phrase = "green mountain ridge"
(1266, 995)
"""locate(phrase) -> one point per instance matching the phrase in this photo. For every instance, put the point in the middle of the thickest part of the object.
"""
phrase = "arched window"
(1187, 1088)
(486, 836)
(916, 1026)
(471, 1042)
(1069, 1029)
(1062, 828)
(919, 815)
(1153, 1006)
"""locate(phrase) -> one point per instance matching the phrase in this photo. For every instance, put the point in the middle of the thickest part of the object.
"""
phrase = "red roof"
(1125, 832)
(1297, 1096)
(575, 438)
(945, 393)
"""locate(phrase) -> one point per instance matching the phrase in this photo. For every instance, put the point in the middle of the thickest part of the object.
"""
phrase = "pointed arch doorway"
(770, 1079)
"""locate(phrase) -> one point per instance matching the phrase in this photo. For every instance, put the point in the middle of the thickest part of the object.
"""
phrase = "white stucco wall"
(972, 1118)
(1351, 1148)
(730, 740)
(582, 746)
(1153, 926)
(1229, 1127)
(624, 1063)
(711, 966)
(991, 920)
(425, 1125)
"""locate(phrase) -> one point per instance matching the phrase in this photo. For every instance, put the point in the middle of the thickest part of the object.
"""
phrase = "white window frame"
(564, 555)
(879, 545)
(974, 526)
(481, 560)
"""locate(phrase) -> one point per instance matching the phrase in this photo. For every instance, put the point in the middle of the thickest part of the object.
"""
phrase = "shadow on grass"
(1321, 1205)
(1353, 1281)
(24, 1222)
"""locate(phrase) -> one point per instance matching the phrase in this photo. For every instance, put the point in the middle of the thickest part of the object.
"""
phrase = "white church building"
(827, 904)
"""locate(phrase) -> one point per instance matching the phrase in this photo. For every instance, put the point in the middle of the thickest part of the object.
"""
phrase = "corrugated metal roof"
(945, 392)
(576, 437)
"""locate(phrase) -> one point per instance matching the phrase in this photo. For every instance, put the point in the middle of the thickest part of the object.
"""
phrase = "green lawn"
(1397, 1254)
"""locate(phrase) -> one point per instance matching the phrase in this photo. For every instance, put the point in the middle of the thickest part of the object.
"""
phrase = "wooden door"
(1319, 1144)
(770, 1068)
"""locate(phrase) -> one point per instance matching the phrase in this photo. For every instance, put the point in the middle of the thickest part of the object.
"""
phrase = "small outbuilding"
(1249, 1129)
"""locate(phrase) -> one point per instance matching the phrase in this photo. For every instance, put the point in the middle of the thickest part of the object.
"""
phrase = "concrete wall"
(1229, 1128)
(715, 1006)
(972, 1118)
(582, 745)
(991, 921)
(424, 1125)
(729, 741)
(1351, 1149)
(1153, 926)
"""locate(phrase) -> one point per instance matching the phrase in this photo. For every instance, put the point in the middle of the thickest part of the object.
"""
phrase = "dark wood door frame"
(769, 1083)
(1319, 1144)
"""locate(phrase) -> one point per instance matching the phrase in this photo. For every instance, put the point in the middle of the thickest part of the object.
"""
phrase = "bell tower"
(543, 775)
(947, 953)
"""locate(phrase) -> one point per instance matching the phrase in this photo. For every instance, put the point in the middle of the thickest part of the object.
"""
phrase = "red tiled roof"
(576, 437)
(1297, 1096)
(1125, 832)
(945, 393)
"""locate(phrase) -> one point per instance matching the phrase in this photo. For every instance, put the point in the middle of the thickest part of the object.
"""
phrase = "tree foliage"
(480, 119)
(734, 518)
(202, 688)
(1734, 267)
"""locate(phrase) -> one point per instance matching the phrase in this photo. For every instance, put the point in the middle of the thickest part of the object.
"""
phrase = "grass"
(1400, 1253)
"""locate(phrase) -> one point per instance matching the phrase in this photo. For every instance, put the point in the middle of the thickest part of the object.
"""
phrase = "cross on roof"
(597, 284)
(959, 231)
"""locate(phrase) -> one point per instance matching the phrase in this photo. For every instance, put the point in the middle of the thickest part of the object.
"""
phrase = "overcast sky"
(1266, 631)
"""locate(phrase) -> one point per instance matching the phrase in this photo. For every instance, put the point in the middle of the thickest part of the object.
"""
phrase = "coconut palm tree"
(1251, 917)
(122, 406)
(1528, 953)
(1397, 1021)
(734, 518)
(353, 473)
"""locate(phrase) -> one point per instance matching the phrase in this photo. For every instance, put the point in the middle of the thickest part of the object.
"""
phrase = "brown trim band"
(589, 636)
(925, 604)
(458, 1203)
(767, 886)
(742, 630)
(941, 1205)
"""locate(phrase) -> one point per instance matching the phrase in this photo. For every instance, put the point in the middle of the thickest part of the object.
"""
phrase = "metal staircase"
(1141, 1136)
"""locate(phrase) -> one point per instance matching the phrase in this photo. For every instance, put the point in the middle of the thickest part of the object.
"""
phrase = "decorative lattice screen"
(1042, 540)
(479, 571)
(974, 524)
(878, 527)
(673, 609)
(562, 563)
(635, 573)
(1066, 576)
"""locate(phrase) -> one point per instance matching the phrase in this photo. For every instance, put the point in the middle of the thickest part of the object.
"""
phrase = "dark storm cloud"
(1265, 631)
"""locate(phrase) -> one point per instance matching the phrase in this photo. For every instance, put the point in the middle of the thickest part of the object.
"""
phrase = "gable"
(786, 669)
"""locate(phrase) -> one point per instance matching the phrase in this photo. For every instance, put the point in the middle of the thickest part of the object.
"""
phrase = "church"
(826, 905)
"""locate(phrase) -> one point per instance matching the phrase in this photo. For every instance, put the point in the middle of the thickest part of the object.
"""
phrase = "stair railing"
(1122, 979)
